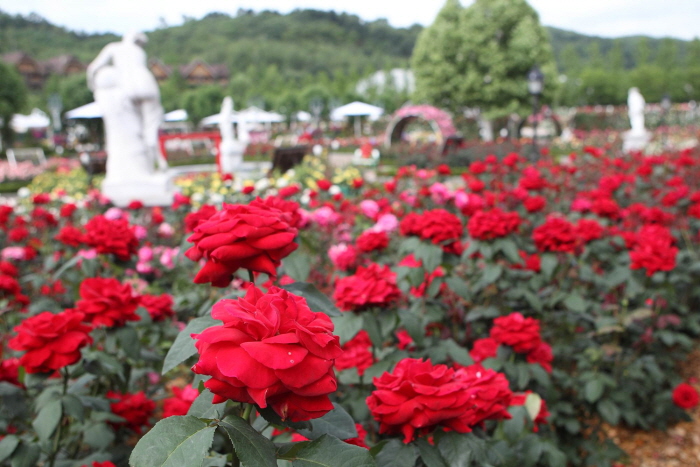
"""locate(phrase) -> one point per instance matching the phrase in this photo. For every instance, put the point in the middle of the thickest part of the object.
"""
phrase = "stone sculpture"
(637, 138)
(128, 96)
(231, 149)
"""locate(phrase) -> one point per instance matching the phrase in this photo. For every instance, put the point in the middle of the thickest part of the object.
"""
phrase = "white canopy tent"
(92, 110)
(36, 119)
(357, 109)
(249, 115)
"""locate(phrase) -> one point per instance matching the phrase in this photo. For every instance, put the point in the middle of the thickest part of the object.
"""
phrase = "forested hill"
(301, 42)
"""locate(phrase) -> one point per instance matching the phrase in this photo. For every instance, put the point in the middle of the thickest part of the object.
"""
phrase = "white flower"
(24, 192)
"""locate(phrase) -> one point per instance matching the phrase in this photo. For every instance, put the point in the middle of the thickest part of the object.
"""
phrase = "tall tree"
(484, 53)
(13, 97)
(437, 61)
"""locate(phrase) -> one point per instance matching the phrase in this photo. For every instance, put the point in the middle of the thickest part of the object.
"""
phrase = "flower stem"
(251, 276)
(246, 412)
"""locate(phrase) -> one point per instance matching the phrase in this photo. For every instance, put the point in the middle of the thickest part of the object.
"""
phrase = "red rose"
(534, 203)
(356, 353)
(101, 464)
(180, 200)
(543, 414)
(248, 189)
(373, 285)
(487, 225)
(181, 401)
(685, 396)
(653, 250)
(41, 198)
(290, 209)
(483, 349)
(9, 371)
(371, 240)
(134, 205)
(159, 307)
(254, 237)
(419, 396)
(438, 225)
(289, 191)
(51, 341)
(67, 210)
(556, 234)
(136, 409)
(111, 237)
(271, 350)
(107, 302)
(523, 334)
(8, 269)
(193, 219)
(71, 236)
(323, 184)
(18, 234)
(589, 230)
(541, 354)
(157, 216)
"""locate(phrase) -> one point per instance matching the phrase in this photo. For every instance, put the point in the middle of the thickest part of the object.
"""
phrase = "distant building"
(35, 73)
(31, 70)
(199, 72)
(64, 65)
(159, 69)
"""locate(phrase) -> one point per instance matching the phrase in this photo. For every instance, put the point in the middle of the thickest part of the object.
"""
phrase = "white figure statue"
(128, 96)
(635, 107)
(230, 149)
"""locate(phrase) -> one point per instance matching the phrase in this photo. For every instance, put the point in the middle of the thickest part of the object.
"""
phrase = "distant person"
(128, 95)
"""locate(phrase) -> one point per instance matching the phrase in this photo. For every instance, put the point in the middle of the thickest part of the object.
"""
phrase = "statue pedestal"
(635, 140)
(231, 156)
(154, 190)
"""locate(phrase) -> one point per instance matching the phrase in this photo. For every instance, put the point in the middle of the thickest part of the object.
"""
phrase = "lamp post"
(665, 108)
(535, 84)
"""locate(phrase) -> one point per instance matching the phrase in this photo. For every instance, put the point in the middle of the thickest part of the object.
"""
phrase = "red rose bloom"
(111, 237)
(9, 371)
(67, 210)
(418, 396)
(181, 401)
(159, 307)
(100, 464)
(18, 234)
(290, 209)
(323, 184)
(483, 349)
(356, 354)
(589, 230)
(107, 302)
(371, 240)
(254, 237)
(8, 269)
(71, 236)
(271, 350)
(136, 409)
(193, 219)
(542, 354)
(653, 250)
(556, 234)
(685, 396)
(373, 285)
(523, 334)
(534, 203)
(51, 341)
(487, 225)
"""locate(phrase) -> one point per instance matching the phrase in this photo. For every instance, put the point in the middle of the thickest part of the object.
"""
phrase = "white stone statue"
(128, 96)
(635, 107)
(637, 138)
(231, 149)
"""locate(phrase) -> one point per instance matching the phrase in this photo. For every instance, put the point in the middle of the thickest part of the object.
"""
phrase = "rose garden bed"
(509, 316)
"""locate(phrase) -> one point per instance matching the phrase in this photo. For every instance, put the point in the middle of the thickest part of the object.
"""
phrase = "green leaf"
(458, 286)
(48, 419)
(297, 265)
(73, 407)
(336, 423)
(129, 342)
(575, 302)
(458, 353)
(98, 436)
(593, 390)
(609, 411)
(491, 273)
(430, 255)
(174, 442)
(328, 451)
(430, 454)
(514, 426)
(26, 455)
(314, 298)
(183, 347)
(347, 325)
(459, 450)
(412, 320)
(396, 454)
(509, 249)
(202, 407)
(252, 448)
(548, 263)
(617, 276)
(273, 417)
(7, 446)
(482, 312)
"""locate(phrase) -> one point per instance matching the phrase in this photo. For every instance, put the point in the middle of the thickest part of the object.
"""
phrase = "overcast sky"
(608, 18)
